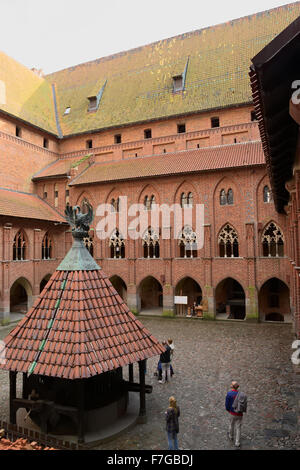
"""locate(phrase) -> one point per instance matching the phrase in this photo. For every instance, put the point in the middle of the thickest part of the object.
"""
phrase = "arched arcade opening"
(189, 288)
(20, 296)
(44, 282)
(230, 300)
(150, 296)
(274, 301)
(120, 286)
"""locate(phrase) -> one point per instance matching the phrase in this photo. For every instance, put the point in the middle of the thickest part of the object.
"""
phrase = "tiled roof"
(26, 205)
(187, 161)
(26, 95)
(139, 82)
(78, 327)
(62, 167)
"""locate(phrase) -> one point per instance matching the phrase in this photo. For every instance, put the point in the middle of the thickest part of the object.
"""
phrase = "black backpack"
(240, 403)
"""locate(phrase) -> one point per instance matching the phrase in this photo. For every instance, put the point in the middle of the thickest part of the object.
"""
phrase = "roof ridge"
(177, 36)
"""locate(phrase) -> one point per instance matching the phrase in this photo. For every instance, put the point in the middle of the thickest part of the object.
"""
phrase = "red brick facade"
(248, 215)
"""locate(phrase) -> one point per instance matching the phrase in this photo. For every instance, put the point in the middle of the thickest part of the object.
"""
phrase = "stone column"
(251, 297)
(208, 300)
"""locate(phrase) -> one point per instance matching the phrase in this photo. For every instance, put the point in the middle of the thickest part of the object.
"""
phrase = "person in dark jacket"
(165, 360)
(235, 425)
(172, 424)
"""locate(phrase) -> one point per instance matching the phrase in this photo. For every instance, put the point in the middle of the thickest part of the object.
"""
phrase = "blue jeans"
(172, 440)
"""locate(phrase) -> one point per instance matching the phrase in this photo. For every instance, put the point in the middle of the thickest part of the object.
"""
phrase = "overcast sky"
(55, 34)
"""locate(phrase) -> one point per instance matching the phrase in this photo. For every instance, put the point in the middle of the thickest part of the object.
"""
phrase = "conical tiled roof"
(78, 327)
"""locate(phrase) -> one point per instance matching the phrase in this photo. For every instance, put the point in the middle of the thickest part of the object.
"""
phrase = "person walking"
(171, 344)
(236, 405)
(165, 359)
(172, 424)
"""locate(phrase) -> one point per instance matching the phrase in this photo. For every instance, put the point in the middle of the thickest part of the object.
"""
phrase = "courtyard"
(208, 355)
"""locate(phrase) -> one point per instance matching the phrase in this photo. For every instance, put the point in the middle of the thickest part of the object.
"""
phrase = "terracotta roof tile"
(26, 205)
(187, 161)
(77, 342)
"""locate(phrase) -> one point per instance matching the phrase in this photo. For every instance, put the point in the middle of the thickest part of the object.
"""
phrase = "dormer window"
(92, 103)
(67, 110)
(177, 83)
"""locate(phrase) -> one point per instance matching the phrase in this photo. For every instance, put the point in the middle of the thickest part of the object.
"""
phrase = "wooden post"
(12, 396)
(24, 388)
(81, 410)
(130, 372)
(142, 414)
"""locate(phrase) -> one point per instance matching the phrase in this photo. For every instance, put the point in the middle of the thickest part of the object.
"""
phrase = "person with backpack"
(172, 424)
(236, 405)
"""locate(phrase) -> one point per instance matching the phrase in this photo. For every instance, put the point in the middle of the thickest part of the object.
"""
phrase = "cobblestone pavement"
(208, 355)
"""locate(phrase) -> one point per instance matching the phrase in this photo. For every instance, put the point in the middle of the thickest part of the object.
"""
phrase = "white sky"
(55, 34)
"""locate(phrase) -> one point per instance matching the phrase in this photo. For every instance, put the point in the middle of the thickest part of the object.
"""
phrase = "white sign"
(180, 299)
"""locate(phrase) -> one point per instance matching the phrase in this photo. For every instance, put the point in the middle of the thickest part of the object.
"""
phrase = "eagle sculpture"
(79, 221)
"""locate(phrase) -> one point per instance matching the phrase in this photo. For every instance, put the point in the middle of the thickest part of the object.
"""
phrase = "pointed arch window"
(55, 195)
(189, 199)
(272, 241)
(67, 195)
(188, 243)
(117, 245)
(228, 243)
(267, 194)
(147, 203)
(230, 197)
(47, 247)
(89, 244)
(115, 205)
(223, 198)
(151, 244)
(19, 247)
(152, 202)
(183, 200)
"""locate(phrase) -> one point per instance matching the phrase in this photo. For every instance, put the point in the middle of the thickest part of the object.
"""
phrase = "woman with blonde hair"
(172, 425)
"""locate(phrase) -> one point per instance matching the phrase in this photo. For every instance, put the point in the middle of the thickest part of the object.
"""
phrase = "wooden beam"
(12, 396)
(142, 413)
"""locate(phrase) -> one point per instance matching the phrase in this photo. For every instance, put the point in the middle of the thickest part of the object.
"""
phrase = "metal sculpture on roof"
(78, 220)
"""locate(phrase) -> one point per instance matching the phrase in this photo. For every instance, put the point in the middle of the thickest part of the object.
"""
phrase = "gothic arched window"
(55, 195)
(190, 199)
(115, 203)
(267, 194)
(46, 247)
(151, 244)
(117, 245)
(228, 243)
(89, 244)
(230, 196)
(19, 247)
(152, 202)
(223, 198)
(183, 200)
(67, 194)
(188, 243)
(272, 241)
